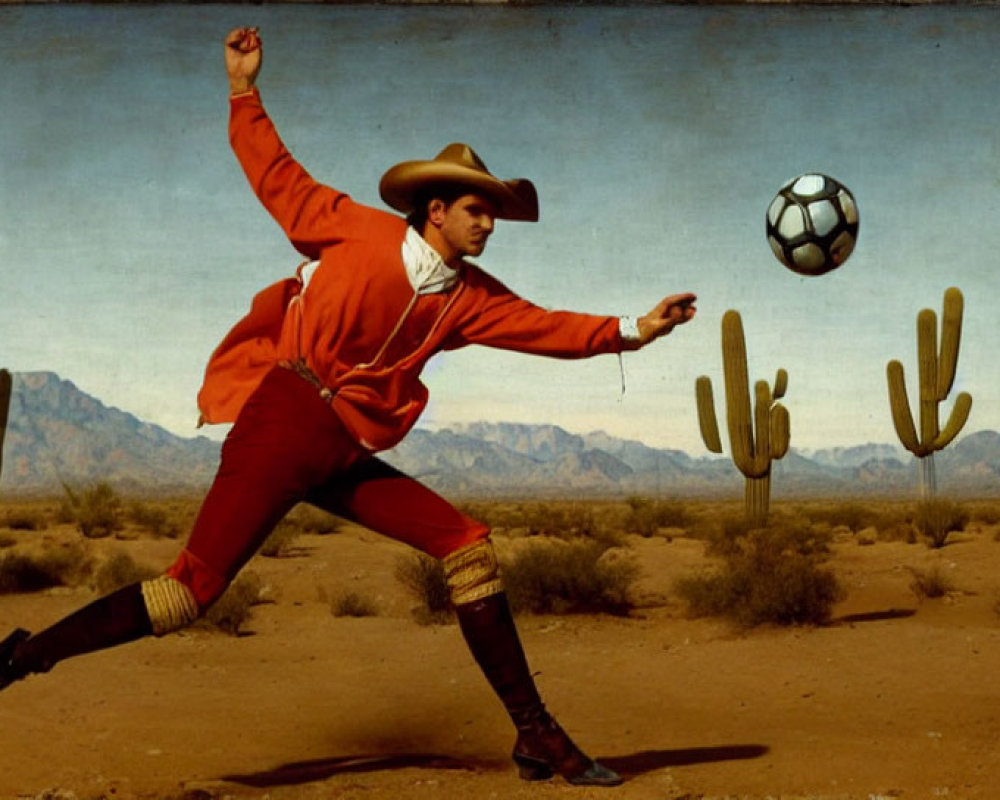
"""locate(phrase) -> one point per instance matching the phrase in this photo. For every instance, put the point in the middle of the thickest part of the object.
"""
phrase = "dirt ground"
(899, 697)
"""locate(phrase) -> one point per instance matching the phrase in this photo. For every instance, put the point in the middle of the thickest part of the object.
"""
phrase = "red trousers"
(288, 446)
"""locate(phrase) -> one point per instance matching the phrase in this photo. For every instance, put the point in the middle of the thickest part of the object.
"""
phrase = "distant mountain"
(487, 458)
(854, 456)
(56, 433)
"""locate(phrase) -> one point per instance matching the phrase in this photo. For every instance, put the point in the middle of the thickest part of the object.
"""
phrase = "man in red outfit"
(324, 372)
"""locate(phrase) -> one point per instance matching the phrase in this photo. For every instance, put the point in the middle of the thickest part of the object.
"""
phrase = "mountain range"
(58, 435)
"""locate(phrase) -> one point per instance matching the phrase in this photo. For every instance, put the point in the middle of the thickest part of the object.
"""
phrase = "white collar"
(425, 268)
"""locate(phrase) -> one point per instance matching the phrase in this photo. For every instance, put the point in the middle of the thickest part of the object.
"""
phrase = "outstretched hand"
(243, 58)
(666, 315)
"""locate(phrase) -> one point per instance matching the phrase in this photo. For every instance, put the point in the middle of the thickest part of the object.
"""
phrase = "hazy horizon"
(464, 426)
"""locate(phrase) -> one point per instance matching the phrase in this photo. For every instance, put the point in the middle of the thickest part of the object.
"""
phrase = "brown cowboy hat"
(458, 163)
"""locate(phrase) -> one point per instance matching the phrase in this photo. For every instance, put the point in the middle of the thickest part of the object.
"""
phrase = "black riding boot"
(542, 747)
(114, 619)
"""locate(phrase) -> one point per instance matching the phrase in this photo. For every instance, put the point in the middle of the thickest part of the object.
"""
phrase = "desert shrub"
(646, 515)
(895, 524)
(939, 517)
(560, 519)
(498, 516)
(797, 535)
(424, 579)
(986, 513)
(154, 520)
(24, 519)
(723, 538)
(768, 577)
(931, 583)
(545, 575)
(785, 531)
(119, 570)
(310, 519)
(234, 608)
(353, 604)
(21, 573)
(281, 541)
(96, 510)
(57, 566)
(853, 515)
(66, 510)
(551, 576)
(564, 519)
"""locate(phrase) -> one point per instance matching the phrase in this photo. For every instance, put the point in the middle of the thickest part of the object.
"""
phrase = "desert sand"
(897, 697)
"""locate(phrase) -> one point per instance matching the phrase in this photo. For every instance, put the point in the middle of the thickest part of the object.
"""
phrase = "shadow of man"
(629, 766)
(318, 769)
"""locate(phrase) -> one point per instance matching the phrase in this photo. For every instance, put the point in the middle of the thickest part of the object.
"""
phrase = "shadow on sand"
(321, 768)
(650, 760)
(874, 616)
(629, 766)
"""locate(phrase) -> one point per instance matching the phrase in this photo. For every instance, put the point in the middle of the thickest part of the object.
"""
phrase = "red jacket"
(342, 325)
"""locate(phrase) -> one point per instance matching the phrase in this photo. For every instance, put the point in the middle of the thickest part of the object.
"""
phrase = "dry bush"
(119, 570)
(787, 530)
(723, 538)
(853, 515)
(931, 583)
(154, 520)
(234, 608)
(24, 519)
(496, 515)
(646, 516)
(545, 575)
(769, 576)
(985, 512)
(939, 517)
(97, 510)
(552, 576)
(425, 580)
(895, 523)
(66, 510)
(55, 566)
(350, 603)
(566, 519)
(280, 543)
(307, 518)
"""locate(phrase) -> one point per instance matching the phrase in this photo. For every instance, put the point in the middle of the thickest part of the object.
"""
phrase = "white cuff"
(628, 329)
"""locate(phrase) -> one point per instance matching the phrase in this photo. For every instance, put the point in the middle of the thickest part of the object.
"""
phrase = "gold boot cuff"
(472, 572)
(169, 603)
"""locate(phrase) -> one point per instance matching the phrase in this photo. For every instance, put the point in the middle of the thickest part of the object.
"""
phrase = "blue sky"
(130, 241)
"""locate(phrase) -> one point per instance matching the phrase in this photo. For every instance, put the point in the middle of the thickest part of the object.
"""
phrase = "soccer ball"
(812, 224)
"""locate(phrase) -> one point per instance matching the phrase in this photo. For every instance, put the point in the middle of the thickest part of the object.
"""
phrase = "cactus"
(759, 434)
(5, 390)
(936, 371)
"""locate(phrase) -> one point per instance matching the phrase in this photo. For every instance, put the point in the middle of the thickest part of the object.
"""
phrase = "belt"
(300, 368)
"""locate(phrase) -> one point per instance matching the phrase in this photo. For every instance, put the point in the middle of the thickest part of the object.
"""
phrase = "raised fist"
(243, 58)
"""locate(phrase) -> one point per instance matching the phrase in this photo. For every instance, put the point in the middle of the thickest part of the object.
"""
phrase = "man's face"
(466, 224)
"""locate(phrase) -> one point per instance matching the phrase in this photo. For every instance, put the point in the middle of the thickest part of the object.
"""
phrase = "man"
(324, 372)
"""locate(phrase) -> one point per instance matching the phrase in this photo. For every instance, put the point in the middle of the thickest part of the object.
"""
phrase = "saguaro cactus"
(5, 390)
(936, 376)
(759, 434)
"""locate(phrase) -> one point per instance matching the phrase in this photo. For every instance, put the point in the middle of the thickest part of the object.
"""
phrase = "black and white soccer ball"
(812, 224)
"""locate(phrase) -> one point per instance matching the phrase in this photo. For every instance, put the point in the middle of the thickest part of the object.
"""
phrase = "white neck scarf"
(425, 268)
